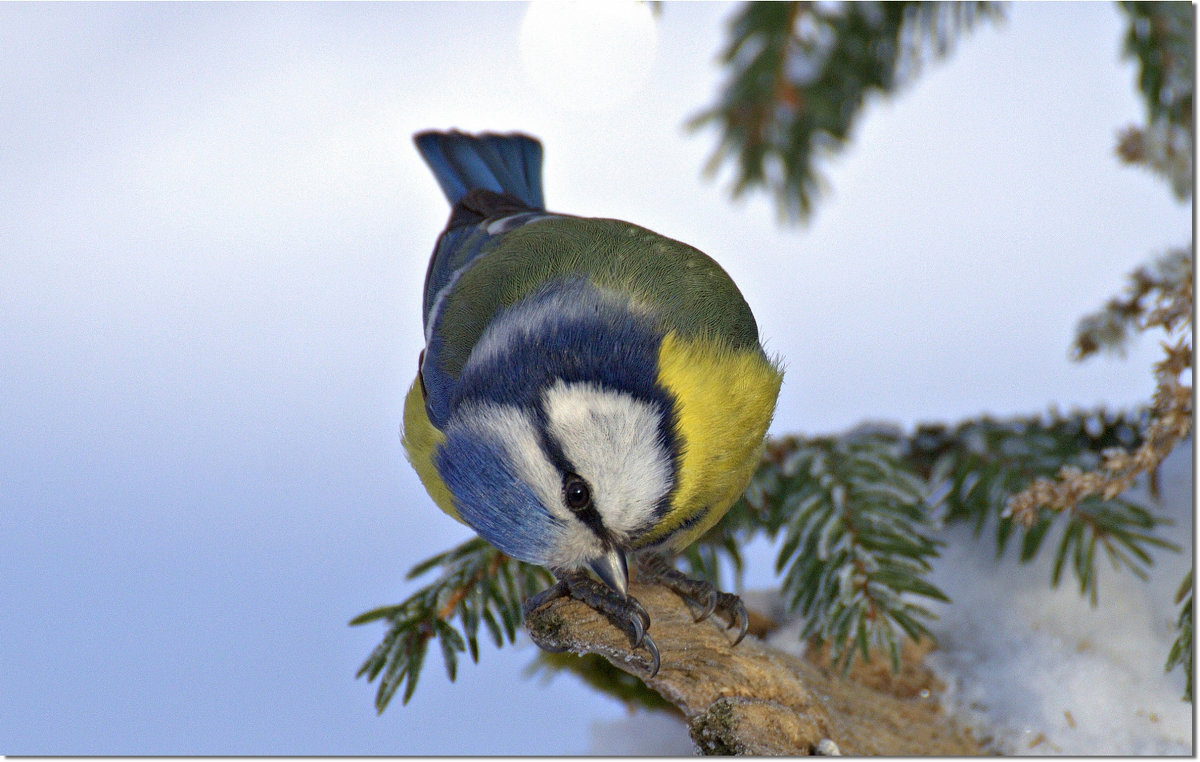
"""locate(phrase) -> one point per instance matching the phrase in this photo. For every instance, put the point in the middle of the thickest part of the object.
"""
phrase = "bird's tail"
(510, 164)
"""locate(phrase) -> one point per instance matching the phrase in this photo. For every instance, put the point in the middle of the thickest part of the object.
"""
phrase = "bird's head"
(560, 450)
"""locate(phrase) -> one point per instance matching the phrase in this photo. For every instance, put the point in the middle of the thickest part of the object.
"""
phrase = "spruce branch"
(975, 468)
(857, 541)
(975, 465)
(477, 584)
(1170, 418)
(1122, 530)
(1161, 39)
(1146, 302)
(1163, 148)
(1180, 654)
(800, 73)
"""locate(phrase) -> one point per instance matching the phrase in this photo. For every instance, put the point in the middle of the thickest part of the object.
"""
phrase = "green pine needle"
(857, 539)
(477, 584)
(1180, 654)
(801, 73)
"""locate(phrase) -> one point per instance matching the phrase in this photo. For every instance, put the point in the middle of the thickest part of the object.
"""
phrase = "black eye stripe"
(554, 453)
(577, 497)
(550, 445)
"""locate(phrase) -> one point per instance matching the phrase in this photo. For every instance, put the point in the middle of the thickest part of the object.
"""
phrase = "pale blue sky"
(213, 236)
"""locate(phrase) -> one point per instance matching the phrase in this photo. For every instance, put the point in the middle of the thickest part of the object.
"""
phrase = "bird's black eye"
(576, 492)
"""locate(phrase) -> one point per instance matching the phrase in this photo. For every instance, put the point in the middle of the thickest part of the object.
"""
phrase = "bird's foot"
(696, 592)
(625, 613)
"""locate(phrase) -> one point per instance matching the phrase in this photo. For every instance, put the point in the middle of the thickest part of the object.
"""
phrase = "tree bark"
(753, 699)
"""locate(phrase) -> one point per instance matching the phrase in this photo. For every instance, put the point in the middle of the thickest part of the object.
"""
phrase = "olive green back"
(684, 287)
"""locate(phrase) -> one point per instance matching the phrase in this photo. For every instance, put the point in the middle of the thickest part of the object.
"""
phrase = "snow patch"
(1037, 670)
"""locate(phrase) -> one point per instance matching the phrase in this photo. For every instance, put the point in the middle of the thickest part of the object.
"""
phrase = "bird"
(590, 392)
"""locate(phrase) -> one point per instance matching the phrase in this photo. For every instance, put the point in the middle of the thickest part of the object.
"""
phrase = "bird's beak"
(612, 570)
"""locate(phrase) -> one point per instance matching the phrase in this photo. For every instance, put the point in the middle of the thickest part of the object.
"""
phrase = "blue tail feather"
(510, 164)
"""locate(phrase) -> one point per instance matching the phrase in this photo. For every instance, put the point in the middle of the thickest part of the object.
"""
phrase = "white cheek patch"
(612, 440)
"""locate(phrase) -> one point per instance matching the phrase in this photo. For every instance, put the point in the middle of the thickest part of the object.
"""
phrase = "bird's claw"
(710, 605)
(648, 643)
(558, 590)
(698, 593)
(638, 637)
(640, 610)
(732, 605)
(625, 612)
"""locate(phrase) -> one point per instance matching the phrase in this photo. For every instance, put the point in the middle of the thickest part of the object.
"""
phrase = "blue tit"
(590, 392)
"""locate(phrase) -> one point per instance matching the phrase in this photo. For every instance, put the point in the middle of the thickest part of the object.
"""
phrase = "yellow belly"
(724, 401)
